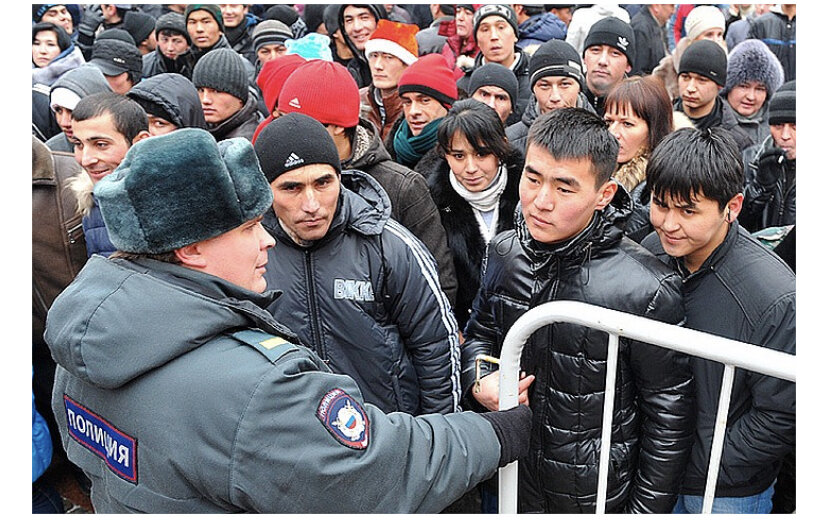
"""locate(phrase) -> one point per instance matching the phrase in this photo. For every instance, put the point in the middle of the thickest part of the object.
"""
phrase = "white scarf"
(483, 201)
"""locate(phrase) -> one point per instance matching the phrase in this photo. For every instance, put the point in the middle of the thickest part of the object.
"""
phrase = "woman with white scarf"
(473, 175)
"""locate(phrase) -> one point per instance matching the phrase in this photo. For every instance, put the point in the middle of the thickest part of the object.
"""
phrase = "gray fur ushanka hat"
(752, 60)
(181, 188)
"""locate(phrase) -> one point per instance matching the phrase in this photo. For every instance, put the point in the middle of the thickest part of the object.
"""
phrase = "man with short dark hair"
(189, 397)
(569, 244)
(356, 285)
(104, 127)
(359, 147)
(735, 288)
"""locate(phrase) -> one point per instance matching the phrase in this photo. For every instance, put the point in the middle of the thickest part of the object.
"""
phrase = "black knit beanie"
(557, 58)
(292, 141)
(223, 71)
(330, 16)
(782, 108)
(493, 74)
(504, 11)
(172, 21)
(139, 25)
(213, 9)
(612, 31)
(63, 38)
(706, 58)
(313, 15)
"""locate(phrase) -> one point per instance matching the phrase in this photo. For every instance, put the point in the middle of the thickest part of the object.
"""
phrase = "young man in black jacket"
(735, 288)
(569, 244)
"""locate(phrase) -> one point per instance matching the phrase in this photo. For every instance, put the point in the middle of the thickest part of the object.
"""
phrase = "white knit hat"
(701, 19)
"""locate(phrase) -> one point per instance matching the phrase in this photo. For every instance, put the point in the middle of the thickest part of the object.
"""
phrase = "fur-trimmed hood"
(81, 186)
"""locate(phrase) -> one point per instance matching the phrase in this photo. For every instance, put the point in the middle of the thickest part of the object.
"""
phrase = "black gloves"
(512, 428)
(91, 20)
(769, 168)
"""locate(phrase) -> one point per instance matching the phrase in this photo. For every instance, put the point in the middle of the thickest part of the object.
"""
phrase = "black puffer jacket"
(457, 216)
(365, 298)
(773, 205)
(741, 292)
(411, 203)
(654, 404)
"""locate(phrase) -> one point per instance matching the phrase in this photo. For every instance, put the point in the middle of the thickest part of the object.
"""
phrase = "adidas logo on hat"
(292, 160)
(623, 43)
(295, 103)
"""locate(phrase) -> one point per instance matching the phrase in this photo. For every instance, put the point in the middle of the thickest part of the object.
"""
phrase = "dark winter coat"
(365, 297)
(176, 95)
(44, 124)
(654, 409)
(722, 116)
(241, 37)
(521, 71)
(155, 63)
(773, 205)
(538, 29)
(242, 124)
(650, 42)
(467, 246)
(779, 33)
(411, 203)
(745, 293)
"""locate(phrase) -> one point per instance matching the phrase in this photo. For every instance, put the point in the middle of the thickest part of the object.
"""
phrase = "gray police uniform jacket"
(367, 299)
(168, 408)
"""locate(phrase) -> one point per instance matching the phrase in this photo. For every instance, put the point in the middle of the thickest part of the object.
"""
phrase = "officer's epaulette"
(271, 346)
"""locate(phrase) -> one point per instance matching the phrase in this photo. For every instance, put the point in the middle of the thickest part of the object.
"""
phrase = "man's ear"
(734, 207)
(191, 256)
(140, 136)
(606, 193)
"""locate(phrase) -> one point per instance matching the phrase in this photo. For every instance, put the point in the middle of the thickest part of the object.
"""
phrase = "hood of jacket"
(84, 80)
(68, 60)
(378, 10)
(363, 207)
(604, 230)
(177, 95)
(92, 332)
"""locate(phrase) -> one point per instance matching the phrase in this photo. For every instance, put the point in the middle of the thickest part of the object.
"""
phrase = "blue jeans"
(758, 504)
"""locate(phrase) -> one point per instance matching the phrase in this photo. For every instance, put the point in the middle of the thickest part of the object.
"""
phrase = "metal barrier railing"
(617, 324)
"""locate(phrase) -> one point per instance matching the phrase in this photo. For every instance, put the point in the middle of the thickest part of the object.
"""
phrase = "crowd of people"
(271, 243)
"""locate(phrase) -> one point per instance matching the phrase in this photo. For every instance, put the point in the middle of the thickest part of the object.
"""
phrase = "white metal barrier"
(617, 324)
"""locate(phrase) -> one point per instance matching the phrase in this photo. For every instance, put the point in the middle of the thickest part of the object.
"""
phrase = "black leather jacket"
(654, 405)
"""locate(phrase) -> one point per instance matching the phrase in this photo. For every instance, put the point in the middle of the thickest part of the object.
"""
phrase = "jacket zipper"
(314, 321)
(71, 231)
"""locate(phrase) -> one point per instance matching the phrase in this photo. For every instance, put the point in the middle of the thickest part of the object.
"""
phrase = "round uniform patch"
(344, 418)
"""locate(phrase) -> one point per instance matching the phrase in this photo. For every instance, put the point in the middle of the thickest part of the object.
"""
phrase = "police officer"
(177, 392)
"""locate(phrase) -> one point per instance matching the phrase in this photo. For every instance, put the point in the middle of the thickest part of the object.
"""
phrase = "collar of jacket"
(233, 122)
(712, 262)
(604, 230)
(366, 147)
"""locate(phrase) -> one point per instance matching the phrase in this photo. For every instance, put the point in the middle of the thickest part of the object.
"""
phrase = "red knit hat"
(323, 90)
(394, 38)
(274, 74)
(432, 76)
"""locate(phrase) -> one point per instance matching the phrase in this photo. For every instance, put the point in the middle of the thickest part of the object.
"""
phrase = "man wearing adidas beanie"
(609, 55)
(390, 50)
(359, 146)
(229, 109)
(378, 313)
(427, 90)
(702, 75)
(179, 316)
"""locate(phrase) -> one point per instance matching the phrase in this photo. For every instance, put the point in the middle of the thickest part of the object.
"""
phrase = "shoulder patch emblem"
(344, 418)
